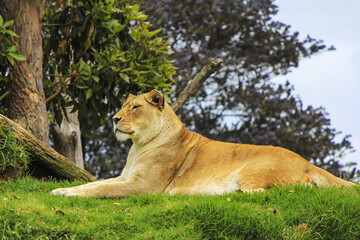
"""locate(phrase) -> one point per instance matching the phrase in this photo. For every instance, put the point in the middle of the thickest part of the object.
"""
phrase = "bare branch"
(58, 24)
(61, 88)
(196, 83)
(4, 95)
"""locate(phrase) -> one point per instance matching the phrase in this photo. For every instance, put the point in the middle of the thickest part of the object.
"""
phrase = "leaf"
(17, 56)
(141, 17)
(82, 64)
(87, 43)
(10, 59)
(63, 45)
(11, 33)
(150, 34)
(125, 77)
(77, 18)
(301, 228)
(275, 212)
(91, 30)
(1, 21)
(82, 87)
(89, 93)
(84, 68)
(59, 212)
(16, 197)
(96, 79)
(229, 199)
(12, 49)
(167, 99)
(135, 7)
(8, 23)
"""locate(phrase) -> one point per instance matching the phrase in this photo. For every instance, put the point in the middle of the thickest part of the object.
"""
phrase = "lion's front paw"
(69, 192)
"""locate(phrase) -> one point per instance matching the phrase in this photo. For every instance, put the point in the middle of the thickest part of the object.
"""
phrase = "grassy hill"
(28, 211)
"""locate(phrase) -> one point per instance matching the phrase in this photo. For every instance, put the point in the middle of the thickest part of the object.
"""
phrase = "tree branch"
(60, 88)
(195, 84)
(4, 95)
(58, 24)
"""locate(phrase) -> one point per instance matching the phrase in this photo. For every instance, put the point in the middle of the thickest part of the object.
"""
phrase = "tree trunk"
(67, 138)
(27, 98)
(44, 157)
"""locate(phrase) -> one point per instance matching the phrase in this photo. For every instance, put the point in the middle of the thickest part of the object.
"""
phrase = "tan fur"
(165, 157)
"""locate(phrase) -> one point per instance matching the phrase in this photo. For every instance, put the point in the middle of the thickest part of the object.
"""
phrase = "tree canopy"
(93, 52)
(96, 51)
(241, 103)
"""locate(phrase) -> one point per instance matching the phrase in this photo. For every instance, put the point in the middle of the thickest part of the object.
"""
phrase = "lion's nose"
(117, 119)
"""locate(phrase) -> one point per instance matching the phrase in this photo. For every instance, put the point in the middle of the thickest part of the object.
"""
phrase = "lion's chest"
(131, 166)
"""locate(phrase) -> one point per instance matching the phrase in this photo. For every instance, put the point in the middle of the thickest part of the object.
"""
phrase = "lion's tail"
(322, 178)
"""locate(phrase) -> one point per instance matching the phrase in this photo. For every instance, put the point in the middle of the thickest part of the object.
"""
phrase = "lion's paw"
(68, 192)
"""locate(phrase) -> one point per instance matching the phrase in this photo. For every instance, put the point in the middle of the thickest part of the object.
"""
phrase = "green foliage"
(259, 120)
(8, 54)
(28, 211)
(14, 158)
(96, 51)
(7, 49)
(240, 103)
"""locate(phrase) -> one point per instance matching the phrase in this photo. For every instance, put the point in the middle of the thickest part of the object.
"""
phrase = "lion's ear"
(130, 97)
(155, 98)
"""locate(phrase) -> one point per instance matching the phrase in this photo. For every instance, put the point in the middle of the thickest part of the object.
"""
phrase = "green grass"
(13, 155)
(28, 211)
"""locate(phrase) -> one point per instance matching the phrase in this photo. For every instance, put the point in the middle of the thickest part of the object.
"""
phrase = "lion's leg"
(252, 184)
(72, 191)
(117, 179)
(254, 180)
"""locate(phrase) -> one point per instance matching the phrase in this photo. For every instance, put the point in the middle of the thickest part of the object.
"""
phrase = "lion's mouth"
(118, 130)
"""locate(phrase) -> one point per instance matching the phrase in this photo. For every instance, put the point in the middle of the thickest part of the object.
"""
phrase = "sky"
(329, 79)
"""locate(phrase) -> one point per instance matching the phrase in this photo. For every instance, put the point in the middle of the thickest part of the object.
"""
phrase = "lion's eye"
(135, 107)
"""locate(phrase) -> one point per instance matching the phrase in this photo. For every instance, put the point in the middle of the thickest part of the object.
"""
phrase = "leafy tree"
(240, 103)
(8, 54)
(254, 48)
(26, 99)
(94, 53)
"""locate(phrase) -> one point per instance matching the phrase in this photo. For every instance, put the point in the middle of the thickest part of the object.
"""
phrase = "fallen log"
(46, 158)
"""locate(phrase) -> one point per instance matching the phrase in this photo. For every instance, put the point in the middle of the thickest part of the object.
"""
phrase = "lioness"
(165, 157)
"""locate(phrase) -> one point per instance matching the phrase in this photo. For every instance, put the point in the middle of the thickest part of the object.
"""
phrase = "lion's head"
(141, 117)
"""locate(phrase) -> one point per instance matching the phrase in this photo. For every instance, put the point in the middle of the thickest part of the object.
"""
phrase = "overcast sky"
(330, 79)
